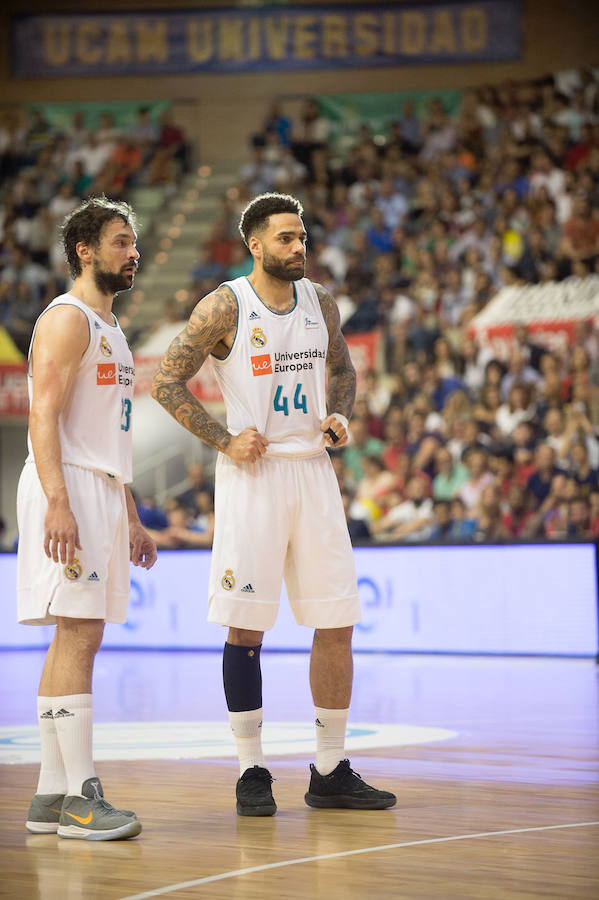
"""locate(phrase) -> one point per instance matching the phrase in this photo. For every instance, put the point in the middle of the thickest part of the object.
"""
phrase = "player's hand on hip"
(247, 446)
(335, 431)
(142, 549)
(61, 533)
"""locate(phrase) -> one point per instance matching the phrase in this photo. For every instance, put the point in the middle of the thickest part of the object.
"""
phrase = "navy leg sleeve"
(242, 677)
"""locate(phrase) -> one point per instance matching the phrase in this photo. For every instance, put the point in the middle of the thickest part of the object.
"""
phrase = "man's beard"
(284, 271)
(111, 282)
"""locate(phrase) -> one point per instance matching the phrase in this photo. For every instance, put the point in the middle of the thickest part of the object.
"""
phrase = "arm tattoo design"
(211, 320)
(341, 389)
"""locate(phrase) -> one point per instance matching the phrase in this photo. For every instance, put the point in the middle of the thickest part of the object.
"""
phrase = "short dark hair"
(257, 213)
(86, 222)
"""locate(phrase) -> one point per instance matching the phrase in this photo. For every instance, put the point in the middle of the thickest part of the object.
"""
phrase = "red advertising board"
(363, 349)
(14, 402)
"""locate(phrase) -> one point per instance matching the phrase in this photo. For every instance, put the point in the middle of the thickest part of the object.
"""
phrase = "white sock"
(53, 778)
(331, 725)
(247, 731)
(73, 718)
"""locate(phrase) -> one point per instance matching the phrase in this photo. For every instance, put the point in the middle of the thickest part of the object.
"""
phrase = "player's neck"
(275, 294)
(86, 291)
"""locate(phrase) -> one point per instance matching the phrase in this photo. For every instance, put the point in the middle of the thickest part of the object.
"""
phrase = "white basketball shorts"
(96, 585)
(281, 518)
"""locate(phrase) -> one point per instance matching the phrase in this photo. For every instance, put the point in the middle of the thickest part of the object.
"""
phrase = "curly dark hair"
(255, 216)
(86, 222)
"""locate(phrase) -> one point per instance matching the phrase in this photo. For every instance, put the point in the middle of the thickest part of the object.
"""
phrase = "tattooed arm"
(341, 389)
(211, 327)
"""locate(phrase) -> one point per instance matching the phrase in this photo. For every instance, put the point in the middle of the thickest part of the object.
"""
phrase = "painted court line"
(169, 889)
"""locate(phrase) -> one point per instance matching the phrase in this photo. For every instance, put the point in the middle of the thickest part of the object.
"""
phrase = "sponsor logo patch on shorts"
(73, 572)
(106, 373)
(228, 580)
(261, 365)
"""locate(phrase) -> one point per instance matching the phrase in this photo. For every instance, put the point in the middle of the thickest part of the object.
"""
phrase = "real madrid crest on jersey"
(258, 337)
(105, 348)
(73, 572)
(228, 580)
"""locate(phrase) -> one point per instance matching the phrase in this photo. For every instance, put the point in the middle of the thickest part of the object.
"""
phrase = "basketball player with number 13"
(273, 337)
(78, 524)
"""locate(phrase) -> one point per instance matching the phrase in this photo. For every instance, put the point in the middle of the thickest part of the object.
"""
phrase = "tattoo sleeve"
(341, 388)
(213, 318)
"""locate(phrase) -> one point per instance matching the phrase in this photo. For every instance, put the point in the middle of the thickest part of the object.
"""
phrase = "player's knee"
(241, 637)
(334, 637)
(80, 636)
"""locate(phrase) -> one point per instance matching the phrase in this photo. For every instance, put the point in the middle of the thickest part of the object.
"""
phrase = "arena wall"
(219, 111)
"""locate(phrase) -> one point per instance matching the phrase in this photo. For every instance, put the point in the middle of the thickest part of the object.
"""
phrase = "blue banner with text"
(265, 39)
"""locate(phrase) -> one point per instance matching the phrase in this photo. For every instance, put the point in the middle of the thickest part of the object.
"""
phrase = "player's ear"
(83, 251)
(255, 247)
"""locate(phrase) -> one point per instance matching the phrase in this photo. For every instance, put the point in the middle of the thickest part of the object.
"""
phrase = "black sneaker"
(344, 789)
(254, 794)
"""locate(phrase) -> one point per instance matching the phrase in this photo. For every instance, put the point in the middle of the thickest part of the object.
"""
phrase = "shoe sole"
(346, 802)
(42, 827)
(75, 832)
(256, 810)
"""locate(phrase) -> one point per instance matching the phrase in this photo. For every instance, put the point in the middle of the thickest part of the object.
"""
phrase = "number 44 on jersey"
(281, 403)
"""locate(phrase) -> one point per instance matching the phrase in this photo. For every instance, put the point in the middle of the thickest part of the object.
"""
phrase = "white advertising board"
(517, 598)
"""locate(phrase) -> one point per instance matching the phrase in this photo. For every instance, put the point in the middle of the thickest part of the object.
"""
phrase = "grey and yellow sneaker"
(254, 793)
(44, 813)
(92, 818)
(344, 789)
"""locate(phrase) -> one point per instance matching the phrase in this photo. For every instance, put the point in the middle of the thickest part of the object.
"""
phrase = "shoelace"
(264, 775)
(348, 774)
(98, 797)
(256, 781)
(346, 769)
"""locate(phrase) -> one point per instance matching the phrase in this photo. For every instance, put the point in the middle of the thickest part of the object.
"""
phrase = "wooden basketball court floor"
(494, 761)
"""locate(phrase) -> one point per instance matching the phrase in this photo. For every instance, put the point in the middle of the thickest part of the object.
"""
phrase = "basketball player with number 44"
(274, 339)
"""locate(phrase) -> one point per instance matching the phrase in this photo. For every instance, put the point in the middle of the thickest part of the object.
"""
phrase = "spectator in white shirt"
(514, 411)
(479, 477)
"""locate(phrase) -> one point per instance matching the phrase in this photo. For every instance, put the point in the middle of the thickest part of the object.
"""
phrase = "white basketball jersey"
(95, 425)
(274, 375)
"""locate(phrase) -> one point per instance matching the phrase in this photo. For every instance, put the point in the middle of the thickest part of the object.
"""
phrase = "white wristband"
(341, 418)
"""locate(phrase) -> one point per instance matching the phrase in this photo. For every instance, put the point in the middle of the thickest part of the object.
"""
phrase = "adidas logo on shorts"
(247, 589)
(254, 315)
(93, 577)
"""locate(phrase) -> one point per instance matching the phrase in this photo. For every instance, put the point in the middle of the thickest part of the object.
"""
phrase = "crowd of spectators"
(187, 520)
(414, 231)
(45, 171)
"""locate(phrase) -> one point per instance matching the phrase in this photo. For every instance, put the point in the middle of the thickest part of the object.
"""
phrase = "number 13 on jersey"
(281, 403)
(125, 414)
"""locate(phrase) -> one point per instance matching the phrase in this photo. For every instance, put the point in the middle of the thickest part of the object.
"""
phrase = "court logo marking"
(203, 740)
